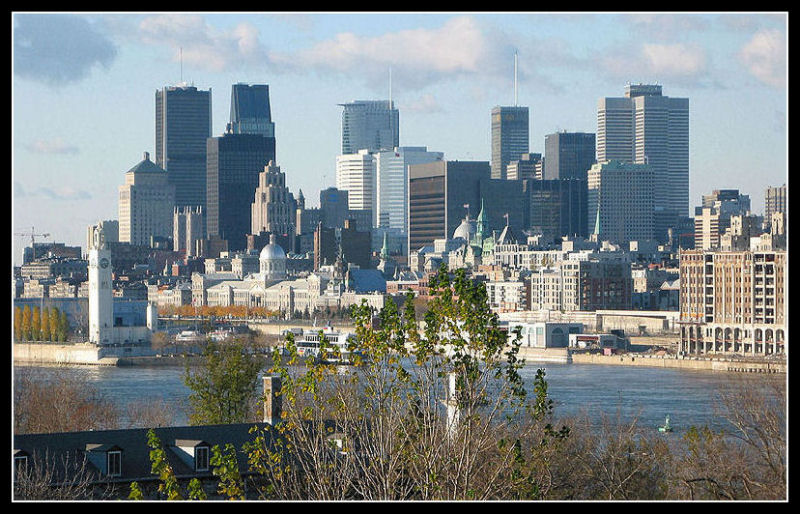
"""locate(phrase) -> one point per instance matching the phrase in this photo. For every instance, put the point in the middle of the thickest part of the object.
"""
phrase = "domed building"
(466, 230)
(272, 261)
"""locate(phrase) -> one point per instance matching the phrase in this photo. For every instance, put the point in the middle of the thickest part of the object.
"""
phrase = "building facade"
(372, 125)
(355, 173)
(510, 137)
(568, 155)
(234, 164)
(250, 110)
(528, 166)
(188, 227)
(733, 302)
(620, 201)
(146, 203)
(272, 208)
(183, 123)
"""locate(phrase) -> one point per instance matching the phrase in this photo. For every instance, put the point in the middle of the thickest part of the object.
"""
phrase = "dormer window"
(114, 463)
(201, 458)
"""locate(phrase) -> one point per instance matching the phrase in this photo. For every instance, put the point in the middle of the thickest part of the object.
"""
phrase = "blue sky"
(83, 88)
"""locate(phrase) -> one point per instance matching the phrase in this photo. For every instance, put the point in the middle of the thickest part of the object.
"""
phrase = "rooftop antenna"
(515, 78)
(390, 87)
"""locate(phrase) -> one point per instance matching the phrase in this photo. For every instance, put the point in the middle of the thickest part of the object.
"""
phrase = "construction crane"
(32, 235)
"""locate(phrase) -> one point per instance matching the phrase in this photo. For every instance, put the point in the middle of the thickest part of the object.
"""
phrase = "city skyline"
(83, 117)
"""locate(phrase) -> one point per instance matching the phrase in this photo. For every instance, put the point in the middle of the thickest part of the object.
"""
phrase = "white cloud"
(674, 60)
(203, 46)
(426, 103)
(52, 146)
(63, 193)
(667, 26)
(764, 56)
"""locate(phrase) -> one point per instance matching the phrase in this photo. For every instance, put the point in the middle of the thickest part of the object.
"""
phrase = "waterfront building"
(568, 155)
(234, 164)
(373, 125)
(391, 183)
(182, 125)
(528, 166)
(355, 173)
(250, 110)
(188, 228)
(587, 284)
(620, 201)
(510, 137)
(438, 195)
(733, 302)
(53, 267)
(645, 127)
(507, 295)
(545, 334)
(146, 203)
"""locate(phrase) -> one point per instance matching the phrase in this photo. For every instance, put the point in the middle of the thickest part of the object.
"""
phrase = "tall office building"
(146, 204)
(568, 155)
(250, 110)
(188, 228)
(439, 195)
(713, 218)
(646, 127)
(272, 207)
(620, 201)
(234, 163)
(528, 166)
(355, 173)
(370, 124)
(557, 207)
(183, 123)
(510, 137)
(774, 201)
(391, 183)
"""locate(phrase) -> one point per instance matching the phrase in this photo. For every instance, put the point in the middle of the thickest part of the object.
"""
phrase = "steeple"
(482, 224)
(385, 248)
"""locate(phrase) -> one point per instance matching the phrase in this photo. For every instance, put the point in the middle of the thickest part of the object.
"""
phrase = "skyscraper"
(355, 173)
(568, 155)
(439, 194)
(370, 124)
(646, 127)
(272, 208)
(234, 163)
(183, 123)
(774, 201)
(145, 204)
(620, 201)
(510, 137)
(391, 183)
(250, 110)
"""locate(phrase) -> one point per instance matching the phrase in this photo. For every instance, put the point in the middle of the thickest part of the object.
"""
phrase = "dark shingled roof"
(147, 166)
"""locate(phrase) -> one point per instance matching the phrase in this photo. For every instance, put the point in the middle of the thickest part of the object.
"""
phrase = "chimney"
(272, 399)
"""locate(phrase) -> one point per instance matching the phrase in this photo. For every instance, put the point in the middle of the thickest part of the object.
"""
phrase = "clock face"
(104, 263)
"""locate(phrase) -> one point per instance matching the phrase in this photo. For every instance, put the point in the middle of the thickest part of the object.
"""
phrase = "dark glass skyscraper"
(234, 163)
(510, 137)
(568, 155)
(250, 110)
(370, 124)
(183, 123)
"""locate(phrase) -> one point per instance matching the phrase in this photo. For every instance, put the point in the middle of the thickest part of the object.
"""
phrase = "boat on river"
(309, 343)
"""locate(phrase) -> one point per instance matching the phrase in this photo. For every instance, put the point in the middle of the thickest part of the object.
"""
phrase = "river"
(648, 394)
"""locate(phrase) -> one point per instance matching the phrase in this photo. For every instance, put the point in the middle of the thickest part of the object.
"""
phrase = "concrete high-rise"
(355, 173)
(528, 166)
(250, 110)
(557, 207)
(568, 155)
(646, 127)
(620, 201)
(372, 125)
(272, 207)
(188, 227)
(774, 201)
(439, 194)
(391, 183)
(146, 203)
(183, 123)
(510, 137)
(714, 216)
(234, 163)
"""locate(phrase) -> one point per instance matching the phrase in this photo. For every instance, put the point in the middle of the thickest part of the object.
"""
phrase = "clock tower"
(101, 301)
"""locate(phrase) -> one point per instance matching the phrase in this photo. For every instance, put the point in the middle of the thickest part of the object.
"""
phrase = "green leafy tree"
(195, 490)
(136, 492)
(55, 328)
(224, 384)
(45, 325)
(63, 326)
(226, 468)
(161, 467)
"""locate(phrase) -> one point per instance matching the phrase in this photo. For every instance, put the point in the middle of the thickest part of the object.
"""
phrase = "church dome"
(465, 231)
(272, 251)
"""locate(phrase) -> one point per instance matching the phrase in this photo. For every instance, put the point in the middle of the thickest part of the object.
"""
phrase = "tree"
(26, 323)
(63, 325)
(55, 329)
(438, 414)
(45, 325)
(17, 323)
(36, 325)
(224, 384)
(160, 466)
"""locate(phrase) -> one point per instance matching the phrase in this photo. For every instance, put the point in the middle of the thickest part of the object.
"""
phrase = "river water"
(689, 397)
